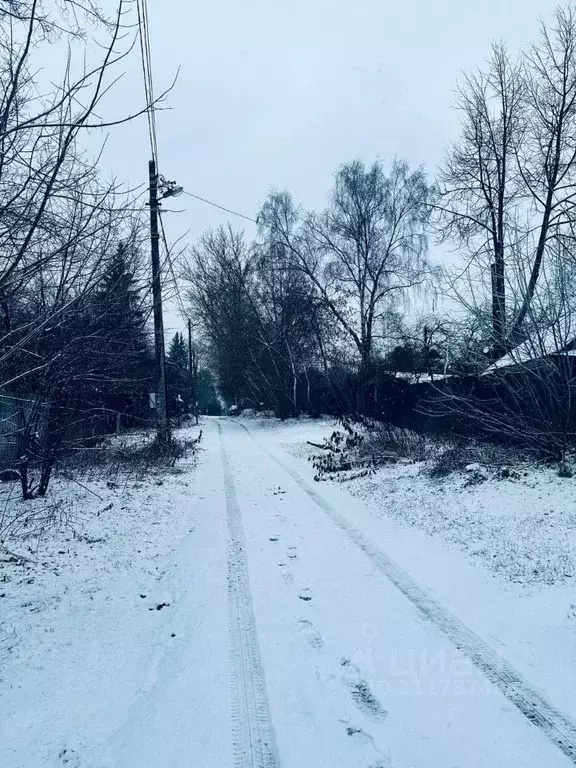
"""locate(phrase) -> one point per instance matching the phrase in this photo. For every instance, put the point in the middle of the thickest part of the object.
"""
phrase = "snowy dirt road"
(360, 665)
(290, 638)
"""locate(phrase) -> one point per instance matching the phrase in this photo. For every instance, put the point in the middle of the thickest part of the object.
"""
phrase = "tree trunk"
(498, 304)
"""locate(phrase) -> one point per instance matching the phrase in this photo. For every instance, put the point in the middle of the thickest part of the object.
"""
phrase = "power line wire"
(146, 61)
(221, 207)
(144, 74)
(150, 77)
(172, 271)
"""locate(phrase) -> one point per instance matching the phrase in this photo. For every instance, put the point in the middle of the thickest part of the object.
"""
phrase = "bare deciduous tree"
(365, 251)
(59, 222)
(219, 274)
(507, 189)
(479, 181)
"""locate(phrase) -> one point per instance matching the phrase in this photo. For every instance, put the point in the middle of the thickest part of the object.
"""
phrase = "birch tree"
(365, 251)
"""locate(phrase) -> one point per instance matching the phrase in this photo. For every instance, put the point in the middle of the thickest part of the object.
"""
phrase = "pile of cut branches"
(361, 447)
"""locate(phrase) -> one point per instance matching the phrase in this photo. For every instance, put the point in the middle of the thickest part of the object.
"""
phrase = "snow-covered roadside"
(86, 629)
(522, 527)
(501, 555)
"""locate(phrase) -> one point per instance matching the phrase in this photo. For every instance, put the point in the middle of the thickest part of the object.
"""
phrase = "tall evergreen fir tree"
(178, 353)
(177, 375)
(122, 351)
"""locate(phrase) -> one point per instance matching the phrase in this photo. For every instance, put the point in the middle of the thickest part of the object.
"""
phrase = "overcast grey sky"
(280, 94)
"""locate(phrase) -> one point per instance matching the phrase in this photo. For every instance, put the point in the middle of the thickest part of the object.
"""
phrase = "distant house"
(421, 378)
(559, 339)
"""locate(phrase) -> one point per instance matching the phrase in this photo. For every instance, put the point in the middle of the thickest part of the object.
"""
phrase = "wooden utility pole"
(163, 425)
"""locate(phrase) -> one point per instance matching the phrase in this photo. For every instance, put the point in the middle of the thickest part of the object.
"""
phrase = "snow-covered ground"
(233, 612)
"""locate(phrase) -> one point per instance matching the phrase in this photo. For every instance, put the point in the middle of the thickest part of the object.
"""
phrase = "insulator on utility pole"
(163, 425)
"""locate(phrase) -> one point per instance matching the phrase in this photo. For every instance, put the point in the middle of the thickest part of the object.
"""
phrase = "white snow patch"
(89, 623)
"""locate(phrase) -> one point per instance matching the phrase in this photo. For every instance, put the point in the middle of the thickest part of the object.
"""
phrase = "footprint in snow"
(312, 635)
(159, 606)
(384, 760)
(158, 600)
(305, 594)
(286, 573)
(360, 691)
(274, 537)
(292, 553)
(69, 757)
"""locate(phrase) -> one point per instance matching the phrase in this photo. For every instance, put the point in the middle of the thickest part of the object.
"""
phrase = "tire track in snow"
(557, 727)
(252, 730)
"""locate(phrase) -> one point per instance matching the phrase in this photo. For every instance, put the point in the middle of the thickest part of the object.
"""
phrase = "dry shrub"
(130, 459)
(363, 445)
(118, 462)
(387, 440)
(456, 455)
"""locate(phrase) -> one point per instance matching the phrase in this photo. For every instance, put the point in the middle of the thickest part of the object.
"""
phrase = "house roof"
(558, 339)
(418, 378)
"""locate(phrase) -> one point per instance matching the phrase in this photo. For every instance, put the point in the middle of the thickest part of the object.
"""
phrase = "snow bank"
(524, 530)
